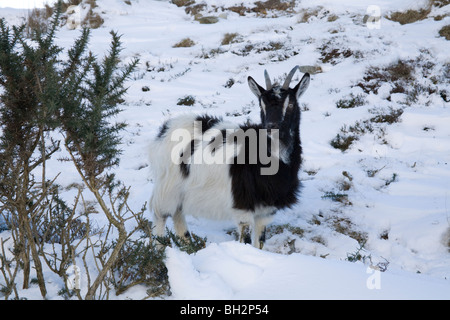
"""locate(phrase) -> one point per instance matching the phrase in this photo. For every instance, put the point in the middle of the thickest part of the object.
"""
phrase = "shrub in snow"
(43, 95)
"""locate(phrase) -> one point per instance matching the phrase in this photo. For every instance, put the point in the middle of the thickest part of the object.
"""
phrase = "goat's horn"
(289, 78)
(268, 82)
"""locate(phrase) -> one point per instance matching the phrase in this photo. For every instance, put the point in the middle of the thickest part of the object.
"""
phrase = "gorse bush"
(52, 98)
(27, 115)
(141, 262)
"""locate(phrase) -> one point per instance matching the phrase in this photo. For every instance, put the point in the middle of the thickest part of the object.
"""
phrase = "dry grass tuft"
(185, 43)
(38, 19)
(229, 38)
(445, 32)
(409, 16)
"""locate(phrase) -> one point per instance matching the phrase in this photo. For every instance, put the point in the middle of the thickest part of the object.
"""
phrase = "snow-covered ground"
(394, 182)
(25, 4)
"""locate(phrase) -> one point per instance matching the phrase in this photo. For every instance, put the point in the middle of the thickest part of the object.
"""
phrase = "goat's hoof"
(245, 235)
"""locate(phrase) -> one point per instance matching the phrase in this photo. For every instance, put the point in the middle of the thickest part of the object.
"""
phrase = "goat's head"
(279, 104)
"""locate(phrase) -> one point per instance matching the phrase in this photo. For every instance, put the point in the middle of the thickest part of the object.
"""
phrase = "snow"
(25, 4)
(230, 270)
(413, 209)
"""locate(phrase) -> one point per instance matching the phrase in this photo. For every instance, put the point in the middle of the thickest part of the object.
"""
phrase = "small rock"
(310, 69)
(208, 20)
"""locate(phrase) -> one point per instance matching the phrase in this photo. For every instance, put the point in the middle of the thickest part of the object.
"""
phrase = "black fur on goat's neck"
(251, 189)
(279, 110)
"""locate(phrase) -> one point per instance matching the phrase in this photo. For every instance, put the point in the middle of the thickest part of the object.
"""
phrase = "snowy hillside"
(375, 132)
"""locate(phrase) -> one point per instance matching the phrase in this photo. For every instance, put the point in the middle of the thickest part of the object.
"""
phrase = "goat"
(234, 185)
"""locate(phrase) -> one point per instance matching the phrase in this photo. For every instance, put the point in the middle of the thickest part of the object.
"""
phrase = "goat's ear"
(256, 88)
(301, 87)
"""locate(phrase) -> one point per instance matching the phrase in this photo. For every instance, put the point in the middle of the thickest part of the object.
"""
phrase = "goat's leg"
(244, 233)
(259, 230)
(160, 226)
(259, 236)
(179, 222)
(160, 223)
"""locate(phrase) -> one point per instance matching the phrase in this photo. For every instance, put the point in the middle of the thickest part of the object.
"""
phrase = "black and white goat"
(207, 167)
